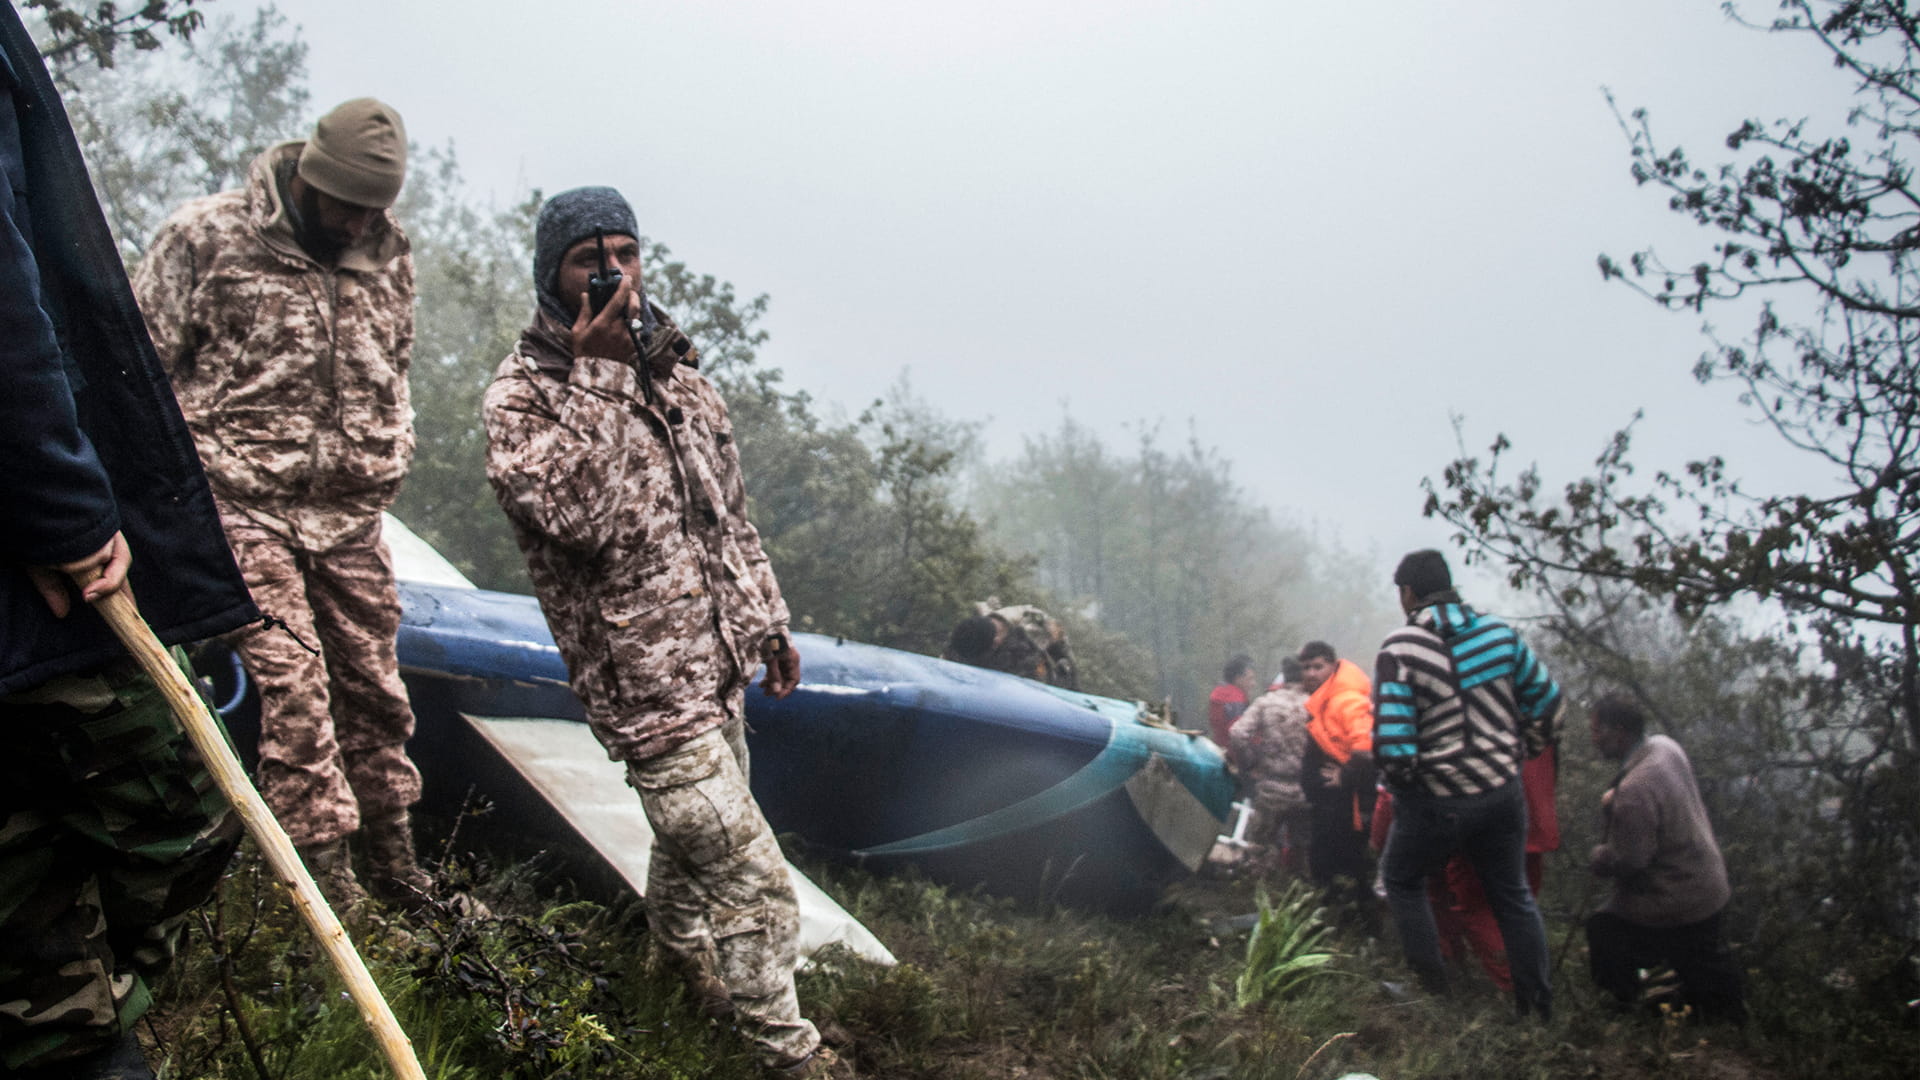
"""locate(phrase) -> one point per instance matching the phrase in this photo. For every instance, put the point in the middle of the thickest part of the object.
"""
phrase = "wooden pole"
(123, 616)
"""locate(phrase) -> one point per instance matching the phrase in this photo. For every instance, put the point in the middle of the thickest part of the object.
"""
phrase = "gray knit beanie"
(565, 220)
(358, 153)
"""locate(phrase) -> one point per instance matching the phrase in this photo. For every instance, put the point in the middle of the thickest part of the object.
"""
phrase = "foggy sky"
(1313, 233)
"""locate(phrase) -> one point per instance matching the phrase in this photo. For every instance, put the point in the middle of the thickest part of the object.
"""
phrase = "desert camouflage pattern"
(333, 727)
(1033, 646)
(292, 376)
(659, 594)
(111, 831)
(718, 894)
(633, 520)
(1266, 746)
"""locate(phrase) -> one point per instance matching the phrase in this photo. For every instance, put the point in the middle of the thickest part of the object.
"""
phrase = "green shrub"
(1288, 948)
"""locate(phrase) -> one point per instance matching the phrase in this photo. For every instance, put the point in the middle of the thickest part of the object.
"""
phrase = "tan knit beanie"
(358, 153)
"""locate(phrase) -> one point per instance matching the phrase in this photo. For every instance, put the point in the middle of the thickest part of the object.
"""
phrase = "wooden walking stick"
(124, 617)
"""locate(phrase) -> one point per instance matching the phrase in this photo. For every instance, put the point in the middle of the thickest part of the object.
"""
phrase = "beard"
(325, 245)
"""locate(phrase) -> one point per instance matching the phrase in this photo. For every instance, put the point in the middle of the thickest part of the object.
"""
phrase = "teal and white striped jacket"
(1459, 703)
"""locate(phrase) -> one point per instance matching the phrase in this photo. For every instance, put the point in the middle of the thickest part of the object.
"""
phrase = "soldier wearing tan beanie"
(358, 154)
(283, 312)
(338, 184)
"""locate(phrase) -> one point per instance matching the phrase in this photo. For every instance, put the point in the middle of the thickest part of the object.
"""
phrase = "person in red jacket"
(1230, 698)
(1336, 773)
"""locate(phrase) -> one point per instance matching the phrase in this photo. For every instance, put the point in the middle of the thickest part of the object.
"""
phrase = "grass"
(562, 985)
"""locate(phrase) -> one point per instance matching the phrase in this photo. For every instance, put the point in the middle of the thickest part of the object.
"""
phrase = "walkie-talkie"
(602, 286)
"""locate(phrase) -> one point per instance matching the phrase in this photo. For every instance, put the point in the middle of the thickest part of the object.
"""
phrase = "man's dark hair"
(1290, 670)
(1317, 650)
(1622, 713)
(1424, 572)
(972, 638)
(1236, 667)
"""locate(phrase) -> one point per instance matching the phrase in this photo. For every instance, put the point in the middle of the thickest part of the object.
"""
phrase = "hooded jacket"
(1341, 713)
(292, 375)
(90, 436)
(1462, 703)
(1340, 730)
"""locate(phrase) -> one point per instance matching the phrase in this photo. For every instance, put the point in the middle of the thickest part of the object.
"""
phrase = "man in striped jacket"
(1460, 704)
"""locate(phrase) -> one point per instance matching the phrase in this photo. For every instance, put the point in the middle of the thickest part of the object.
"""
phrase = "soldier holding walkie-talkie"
(614, 458)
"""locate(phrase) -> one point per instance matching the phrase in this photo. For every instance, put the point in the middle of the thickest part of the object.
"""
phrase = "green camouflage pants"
(718, 894)
(111, 831)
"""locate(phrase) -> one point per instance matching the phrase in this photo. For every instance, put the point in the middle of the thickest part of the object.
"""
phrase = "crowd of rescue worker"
(221, 434)
(1432, 785)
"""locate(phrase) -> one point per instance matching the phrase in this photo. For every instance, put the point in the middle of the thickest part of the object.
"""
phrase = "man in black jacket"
(110, 829)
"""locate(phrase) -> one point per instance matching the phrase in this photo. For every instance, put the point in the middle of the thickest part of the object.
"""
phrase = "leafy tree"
(1814, 238)
(160, 130)
(726, 327)
(470, 273)
(81, 33)
(861, 518)
(938, 563)
(1166, 550)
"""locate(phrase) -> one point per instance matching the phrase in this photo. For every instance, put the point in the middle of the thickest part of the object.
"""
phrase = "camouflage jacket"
(292, 375)
(633, 520)
(1033, 645)
(1268, 742)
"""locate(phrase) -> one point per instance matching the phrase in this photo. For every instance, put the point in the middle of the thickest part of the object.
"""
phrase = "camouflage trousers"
(333, 727)
(718, 893)
(111, 831)
(1281, 824)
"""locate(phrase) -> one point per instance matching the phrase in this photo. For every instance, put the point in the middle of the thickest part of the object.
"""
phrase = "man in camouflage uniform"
(623, 485)
(1265, 746)
(110, 828)
(284, 314)
(1019, 640)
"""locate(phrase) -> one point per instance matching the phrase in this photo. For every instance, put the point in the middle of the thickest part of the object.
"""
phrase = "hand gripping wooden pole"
(124, 617)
